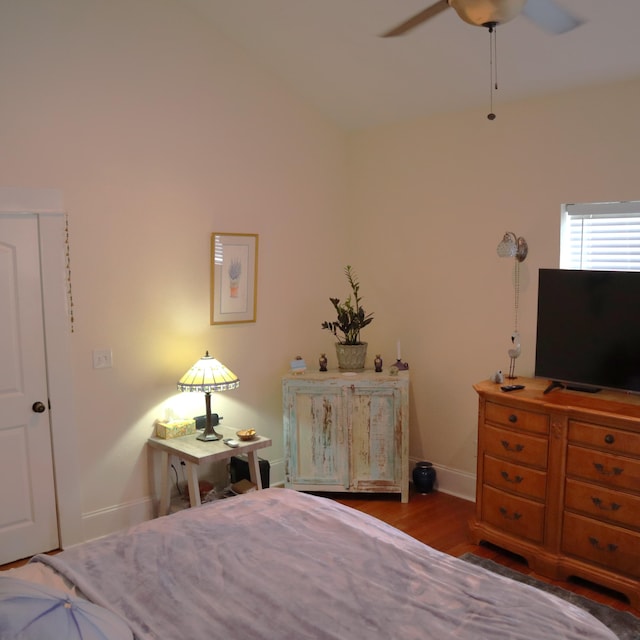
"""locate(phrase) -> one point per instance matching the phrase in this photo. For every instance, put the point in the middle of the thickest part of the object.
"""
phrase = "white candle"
(398, 349)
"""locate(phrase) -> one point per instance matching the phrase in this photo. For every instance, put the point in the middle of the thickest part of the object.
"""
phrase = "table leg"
(165, 487)
(254, 469)
(192, 481)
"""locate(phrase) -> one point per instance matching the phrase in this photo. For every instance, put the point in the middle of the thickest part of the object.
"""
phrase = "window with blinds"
(600, 236)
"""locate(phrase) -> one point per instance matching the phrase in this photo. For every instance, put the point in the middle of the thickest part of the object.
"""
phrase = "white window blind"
(600, 236)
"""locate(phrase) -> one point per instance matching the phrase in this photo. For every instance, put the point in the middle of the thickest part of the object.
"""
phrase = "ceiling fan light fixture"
(487, 12)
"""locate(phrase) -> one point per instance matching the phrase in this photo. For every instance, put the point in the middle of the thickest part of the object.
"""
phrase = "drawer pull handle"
(516, 479)
(505, 514)
(616, 471)
(507, 445)
(608, 547)
(613, 506)
(513, 418)
(609, 439)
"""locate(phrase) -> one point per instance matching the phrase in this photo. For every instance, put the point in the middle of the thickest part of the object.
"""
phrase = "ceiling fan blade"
(550, 16)
(418, 19)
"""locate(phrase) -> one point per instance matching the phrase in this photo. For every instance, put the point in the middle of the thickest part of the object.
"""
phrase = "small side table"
(194, 452)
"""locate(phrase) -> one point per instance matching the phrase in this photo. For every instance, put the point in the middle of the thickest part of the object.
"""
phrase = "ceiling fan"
(547, 14)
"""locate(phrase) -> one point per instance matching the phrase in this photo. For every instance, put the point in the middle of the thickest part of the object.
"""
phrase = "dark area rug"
(624, 624)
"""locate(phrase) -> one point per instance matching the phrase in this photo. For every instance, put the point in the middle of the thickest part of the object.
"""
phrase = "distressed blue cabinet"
(347, 432)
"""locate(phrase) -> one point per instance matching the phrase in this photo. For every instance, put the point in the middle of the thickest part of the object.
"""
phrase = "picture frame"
(234, 277)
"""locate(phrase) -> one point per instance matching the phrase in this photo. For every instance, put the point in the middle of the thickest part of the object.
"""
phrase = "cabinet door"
(376, 437)
(315, 436)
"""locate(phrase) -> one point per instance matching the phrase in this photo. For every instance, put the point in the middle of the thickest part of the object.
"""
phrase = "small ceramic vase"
(424, 477)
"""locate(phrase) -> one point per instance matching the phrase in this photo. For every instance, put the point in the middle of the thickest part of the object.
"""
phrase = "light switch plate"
(102, 359)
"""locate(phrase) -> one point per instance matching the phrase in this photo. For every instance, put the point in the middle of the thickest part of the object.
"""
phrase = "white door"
(28, 518)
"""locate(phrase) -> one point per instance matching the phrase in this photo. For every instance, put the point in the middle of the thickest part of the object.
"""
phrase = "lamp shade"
(508, 247)
(513, 247)
(207, 375)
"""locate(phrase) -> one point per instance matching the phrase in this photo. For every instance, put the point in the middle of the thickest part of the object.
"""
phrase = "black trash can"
(239, 470)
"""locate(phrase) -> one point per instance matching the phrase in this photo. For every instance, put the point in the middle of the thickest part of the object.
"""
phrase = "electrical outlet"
(102, 359)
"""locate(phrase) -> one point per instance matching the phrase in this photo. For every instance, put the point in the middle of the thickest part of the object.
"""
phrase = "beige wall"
(158, 132)
(435, 196)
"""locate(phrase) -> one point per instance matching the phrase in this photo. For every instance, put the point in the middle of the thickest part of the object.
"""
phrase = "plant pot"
(351, 357)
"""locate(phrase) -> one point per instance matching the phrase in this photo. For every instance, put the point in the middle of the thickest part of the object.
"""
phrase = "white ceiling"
(330, 52)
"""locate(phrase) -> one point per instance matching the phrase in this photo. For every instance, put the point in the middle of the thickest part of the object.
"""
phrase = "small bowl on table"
(247, 434)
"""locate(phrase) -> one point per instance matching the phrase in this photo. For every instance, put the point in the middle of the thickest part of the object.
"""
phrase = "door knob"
(38, 407)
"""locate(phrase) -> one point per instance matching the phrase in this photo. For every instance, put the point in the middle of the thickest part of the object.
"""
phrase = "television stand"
(556, 384)
(583, 388)
(558, 482)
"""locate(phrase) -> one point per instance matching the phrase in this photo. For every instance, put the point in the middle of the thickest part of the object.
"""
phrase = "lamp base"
(209, 437)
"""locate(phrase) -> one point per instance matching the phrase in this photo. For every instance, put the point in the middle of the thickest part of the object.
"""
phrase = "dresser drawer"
(520, 419)
(605, 504)
(515, 478)
(607, 470)
(604, 544)
(604, 438)
(515, 446)
(519, 516)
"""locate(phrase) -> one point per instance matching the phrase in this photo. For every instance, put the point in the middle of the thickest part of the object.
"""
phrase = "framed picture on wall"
(234, 277)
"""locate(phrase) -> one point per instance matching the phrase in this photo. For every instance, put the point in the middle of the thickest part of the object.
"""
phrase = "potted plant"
(351, 319)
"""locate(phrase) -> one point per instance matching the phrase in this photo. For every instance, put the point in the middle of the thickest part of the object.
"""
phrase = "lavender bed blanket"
(278, 564)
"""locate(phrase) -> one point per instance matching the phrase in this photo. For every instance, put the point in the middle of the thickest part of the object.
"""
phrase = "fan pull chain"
(493, 65)
(68, 270)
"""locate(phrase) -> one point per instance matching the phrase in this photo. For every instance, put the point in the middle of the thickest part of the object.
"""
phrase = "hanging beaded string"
(516, 288)
(68, 270)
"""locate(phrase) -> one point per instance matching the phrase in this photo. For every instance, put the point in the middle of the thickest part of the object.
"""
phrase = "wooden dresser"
(559, 481)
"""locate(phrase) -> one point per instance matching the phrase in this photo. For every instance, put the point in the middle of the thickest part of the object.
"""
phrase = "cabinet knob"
(609, 439)
(513, 418)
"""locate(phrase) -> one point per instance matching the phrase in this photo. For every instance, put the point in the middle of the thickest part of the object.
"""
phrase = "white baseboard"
(99, 523)
(454, 482)
(276, 477)
(451, 481)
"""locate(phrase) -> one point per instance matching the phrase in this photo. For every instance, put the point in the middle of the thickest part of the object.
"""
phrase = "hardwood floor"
(440, 520)
(19, 563)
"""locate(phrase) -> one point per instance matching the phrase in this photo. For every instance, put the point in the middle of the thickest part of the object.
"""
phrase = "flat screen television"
(588, 334)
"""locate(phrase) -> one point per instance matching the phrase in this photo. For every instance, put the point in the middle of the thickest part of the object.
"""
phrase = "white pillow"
(31, 611)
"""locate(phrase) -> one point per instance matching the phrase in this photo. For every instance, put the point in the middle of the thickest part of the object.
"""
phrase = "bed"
(282, 564)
